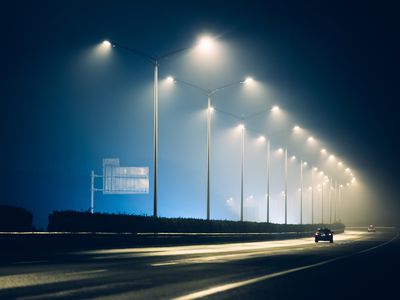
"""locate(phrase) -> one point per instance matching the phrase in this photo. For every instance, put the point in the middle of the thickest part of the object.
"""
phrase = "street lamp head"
(241, 126)
(340, 164)
(280, 150)
(321, 173)
(331, 156)
(296, 128)
(315, 169)
(275, 108)
(206, 43)
(261, 138)
(170, 79)
(293, 157)
(248, 80)
(305, 163)
(106, 43)
(211, 109)
(310, 139)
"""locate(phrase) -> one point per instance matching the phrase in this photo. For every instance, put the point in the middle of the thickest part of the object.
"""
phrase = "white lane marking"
(75, 293)
(86, 272)
(32, 279)
(164, 264)
(234, 285)
(30, 262)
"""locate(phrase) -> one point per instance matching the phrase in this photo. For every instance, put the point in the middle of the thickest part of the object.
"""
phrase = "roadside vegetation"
(15, 219)
(75, 221)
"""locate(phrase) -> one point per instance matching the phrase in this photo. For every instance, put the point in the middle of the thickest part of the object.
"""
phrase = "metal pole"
(92, 192)
(330, 201)
(241, 177)
(343, 199)
(268, 171)
(208, 154)
(312, 194)
(286, 185)
(336, 199)
(339, 202)
(301, 191)
(322, 202)
(155, 136)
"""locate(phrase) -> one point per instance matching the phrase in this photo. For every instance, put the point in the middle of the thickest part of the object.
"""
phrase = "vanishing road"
(358, 265)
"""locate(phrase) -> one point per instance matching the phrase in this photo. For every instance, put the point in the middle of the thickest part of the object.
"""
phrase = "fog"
(75, 101)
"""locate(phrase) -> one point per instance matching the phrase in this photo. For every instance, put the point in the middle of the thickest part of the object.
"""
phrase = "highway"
(358, 265)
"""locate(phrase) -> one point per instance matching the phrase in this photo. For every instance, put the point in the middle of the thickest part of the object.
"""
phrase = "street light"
(241, 127)
(301, 191)
(154, 60)
(248, 80)
(206, 43)
(106, 43)
(286, 179)
(275, 108)
(209, 93)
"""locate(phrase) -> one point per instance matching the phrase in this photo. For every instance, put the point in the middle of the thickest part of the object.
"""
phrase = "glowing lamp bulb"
(275, 108)
(248, 80)
(206, 43)
(106, 43)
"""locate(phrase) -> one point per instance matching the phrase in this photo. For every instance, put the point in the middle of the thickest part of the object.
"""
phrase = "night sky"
(332, 65)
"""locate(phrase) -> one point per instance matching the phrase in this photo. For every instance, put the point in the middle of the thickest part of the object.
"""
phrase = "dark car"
(323, 234)
(371, 228)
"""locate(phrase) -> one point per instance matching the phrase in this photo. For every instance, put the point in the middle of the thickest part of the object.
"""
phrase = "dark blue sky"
(332, 65)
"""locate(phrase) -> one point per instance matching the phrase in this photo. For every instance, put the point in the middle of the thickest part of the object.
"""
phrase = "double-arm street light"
(210, 93)
(155, 60)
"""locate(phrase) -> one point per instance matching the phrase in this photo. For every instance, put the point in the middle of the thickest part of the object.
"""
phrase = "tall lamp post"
(322, 202)
(301, 191)
(268, 171)
(312, 195)
(209, 93)
(286, 179)
(154, 60)
(241, 127)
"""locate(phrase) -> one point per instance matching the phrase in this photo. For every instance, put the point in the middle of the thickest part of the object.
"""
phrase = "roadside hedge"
(15, 219)
(75, 221)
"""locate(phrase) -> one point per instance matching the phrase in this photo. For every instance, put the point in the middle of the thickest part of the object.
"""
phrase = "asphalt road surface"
(358, 265)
